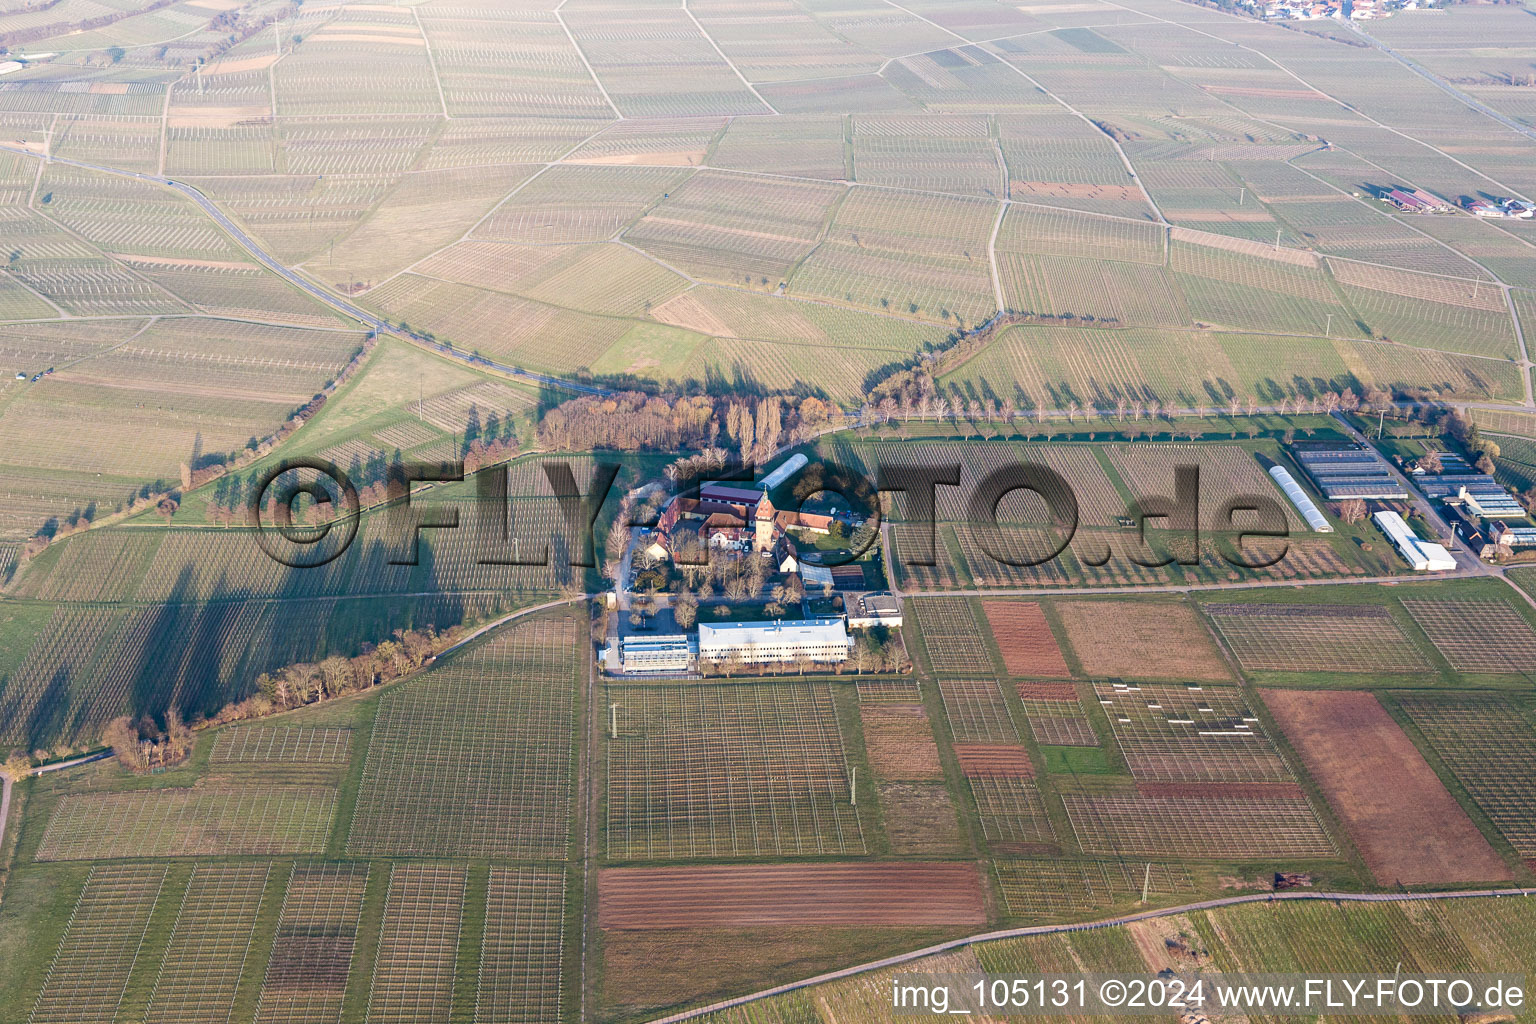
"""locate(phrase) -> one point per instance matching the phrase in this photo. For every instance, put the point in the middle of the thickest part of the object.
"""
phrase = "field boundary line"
(1442, 84)
(997, 224)
(728, 62)
(586, 63)
(1108, 922)
(437, 79)
(467, 235)
(1124, 159)
(1327, 95)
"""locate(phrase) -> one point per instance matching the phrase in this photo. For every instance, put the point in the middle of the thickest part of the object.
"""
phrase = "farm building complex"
(1421, 555)
(1345, 471)
(989, 486)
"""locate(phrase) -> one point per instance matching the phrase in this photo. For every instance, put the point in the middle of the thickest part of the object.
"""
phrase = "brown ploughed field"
(1408, 828)
(1025, 638)
(899, 742)
(741, 896)
(994, 761)
(1142, 640)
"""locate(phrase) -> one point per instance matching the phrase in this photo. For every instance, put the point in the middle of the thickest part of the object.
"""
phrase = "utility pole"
(613, 721)
(1146, 881)
(853, 786)
(1381, 422)
(1242, 193)
(1328, 331)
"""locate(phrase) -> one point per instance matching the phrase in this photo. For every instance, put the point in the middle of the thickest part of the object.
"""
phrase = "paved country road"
(1442, 84)
(307, 286)
(1108, 922)
(6, 782)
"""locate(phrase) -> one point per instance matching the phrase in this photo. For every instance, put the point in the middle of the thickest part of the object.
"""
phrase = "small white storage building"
(1422, 555)
(789, 467)
(1309, 511)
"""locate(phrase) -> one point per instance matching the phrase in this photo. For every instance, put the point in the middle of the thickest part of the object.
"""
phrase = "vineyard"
(209, 944)
(92, 663)
(1316, 638)
(524, 947)
(418, 944)
(476, 757)
(822, 894)
(976, 711)
(951, 636)
(1200, 827)
(1055, 715)
(256, 744)
(898, 740)
(89, 972)
(1190, 734)
(916, 255)
(242, 820)
(1167, 216)
(1012, 812)
(312, 948)
(1226, 472)
(1141, 640)
(1471, 935)
(1490, 746)
(748, 769)
(1025, 638)
(736, 229)
(1061, 888)
(1477, 636)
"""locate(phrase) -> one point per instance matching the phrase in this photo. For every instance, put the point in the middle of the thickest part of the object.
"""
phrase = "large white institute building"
(824, 640)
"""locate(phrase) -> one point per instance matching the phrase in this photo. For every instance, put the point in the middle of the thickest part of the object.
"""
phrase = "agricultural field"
(1362, 761)
(1141, 640)
(1213, 825)
(748, 769)
(1054, 715)
(1024, 636)
(1287, 935)
(977, 712)
(524, 945)
(1190, 734)
(898, 740)
(1502, 641)
(1317, 638)
(187, 822)
(210, 942)
(500, 789)
(1488, 744)
(826, 894)
(1108, 239)
(951, 636)
(101, 944)
(323, 904)
(1046, 888)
